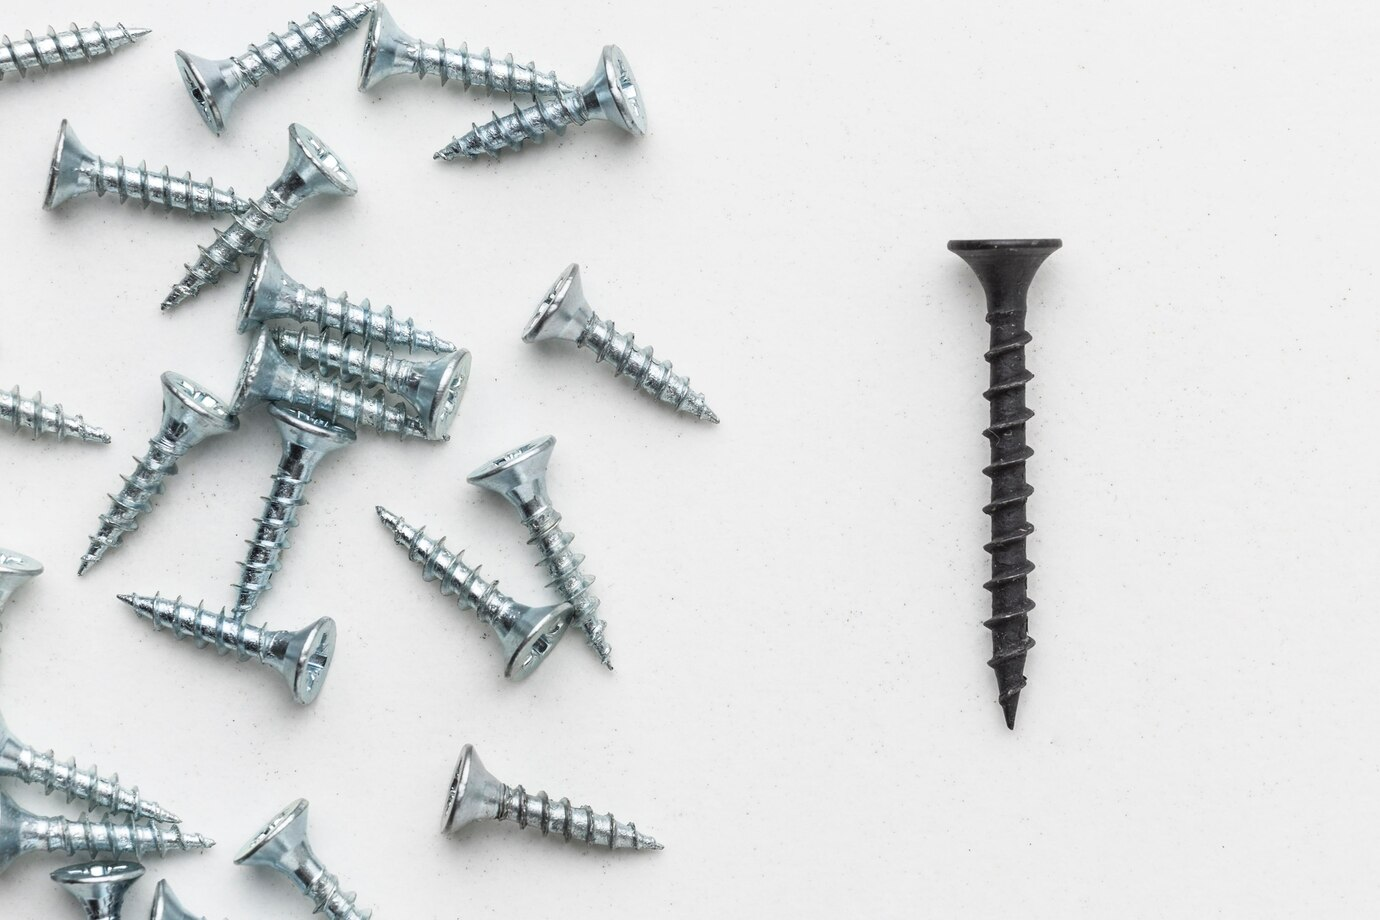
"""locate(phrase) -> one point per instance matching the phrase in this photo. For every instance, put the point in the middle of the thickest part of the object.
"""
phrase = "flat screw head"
(308, 660)
(518, 475)
(265, 371)
(191, 413)
(563, 313)
(99, 886)
(16, 570)
(615, 92)
(442, 387)
(315, 167)
(309, 432)
(12, 820)
(213, 85)
(386, 50)
(474, 793)
(534, 634)
(166, 906)
(68, 173)
(282, 843)
(264, 289)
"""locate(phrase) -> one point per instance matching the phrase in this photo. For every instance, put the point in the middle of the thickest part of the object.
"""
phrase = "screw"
(527, 634)
(312, 169)
(520, 477)
(432, 388)
(267, 375)
(1005, 268)
(283, 845)
(22, 832)
(191, 414)
(99, 887)
(306, 441)
(41, 418)
(389, 52)
(16, 569)
(302, 657)
(216, 85)
(77, 171)
(166, 906)
(72, 44)
(611, 94)
(565, 314)
(271, 294)
(28, 765)
(475, 794)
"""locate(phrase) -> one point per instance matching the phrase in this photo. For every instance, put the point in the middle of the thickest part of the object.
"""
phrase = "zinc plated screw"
(72, 44)
(306, 441)
(28, 765)
(312, 169)
(191, 414)
(216, 85)
(391, 52)
(75, 171)
(1005, 268)
(16, 571)
(23, 832)
(40, 418)
(166, 906)
(527, 634)
(520, 477)
(475, 794)
(432, 388)
(282, 845)
(99, 887)
(611, 94)
(303, 657)
(566, 315)
(269, 376)
(272, 294)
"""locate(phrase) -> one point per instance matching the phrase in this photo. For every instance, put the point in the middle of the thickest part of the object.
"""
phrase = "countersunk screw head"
(69, 174)
(264, 288)
(385, 50)
(282, 843)
(99, 886)
(166, 906)
(563, 313)
(315, 167)
(520, 474)
(191, 413)
(475, 793)
(308, 659)
(615, 91)
(264, 370)
(213, 85)
(304, 430)
(442, 386)
(16, 569)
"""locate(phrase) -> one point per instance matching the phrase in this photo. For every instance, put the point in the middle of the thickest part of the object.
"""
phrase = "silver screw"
(16, 571)
(166, 906)
(37, 416)
(432, 388)
(390, 52)
(23, 832)
(72, 44)
(312, 169)
(306, 440)
(282, 845)
(191, 414)
(303, 657)
(267, 375)
(271, 294)
(527, 634)
(75, 171)
(28, 765)
(475, 794)
(216, 85)
(99, 887)
(520, 477)
(564, 314)
(611, 94)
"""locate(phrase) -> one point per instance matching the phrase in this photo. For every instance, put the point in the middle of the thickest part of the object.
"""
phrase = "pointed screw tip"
(138, 32)
(126, 598)
(1008, 708)
(84, 565)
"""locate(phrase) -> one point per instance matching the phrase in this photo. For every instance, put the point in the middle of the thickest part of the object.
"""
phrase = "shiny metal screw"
(564, 314)
(40, 418)
(433, 389)
(191, 414)
(72, 44)
(312, 169)
(269, 376)
(520, 477)
(475, 794)
(166, 906)
(216, 85)
(306, 441)
(16, 571)
(282, 845)
(99, 887)
(527, 634)
(271, 294)
(23, 832)
(303, 657)
(611, 94)
(28, 765)
(75, 171)
(390, 52)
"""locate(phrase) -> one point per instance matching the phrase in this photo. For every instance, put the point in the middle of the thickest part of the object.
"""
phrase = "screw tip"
(709, 415)
(1008, 708)
(85, 564)
(127, 599)
(138, 32)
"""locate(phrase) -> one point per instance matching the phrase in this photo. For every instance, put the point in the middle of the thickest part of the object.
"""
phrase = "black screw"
(1006, 268)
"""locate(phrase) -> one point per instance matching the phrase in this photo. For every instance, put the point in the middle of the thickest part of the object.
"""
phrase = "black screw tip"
(1008, 709)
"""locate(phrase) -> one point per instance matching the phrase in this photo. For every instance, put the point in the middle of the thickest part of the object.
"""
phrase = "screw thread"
(237, 241)
(136, 497)
(44, 769)
(543, 523)
(300, 42)
(206, 627)
(333, 402)
(72, 44)
(523, 124)
(351, 361)
(648, 373)
(480, 70)
(580, 823)
(160, 187)
(332, 900)
(285, 496)
(41, 418)
(84, 835)
(370, 323)
(439, 564)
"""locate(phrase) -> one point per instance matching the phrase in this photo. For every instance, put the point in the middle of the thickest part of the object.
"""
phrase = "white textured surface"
(801, 711)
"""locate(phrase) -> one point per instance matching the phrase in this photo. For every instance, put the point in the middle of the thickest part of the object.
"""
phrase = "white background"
(802, 711)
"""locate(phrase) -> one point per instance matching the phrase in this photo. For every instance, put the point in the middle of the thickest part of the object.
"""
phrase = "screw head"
(307, 659)
(533, 636)
(315, 166)
(68, 174)
(99, 886)
(1004, 267)
(520, 473)
(281, 844)
(616, 93)
(563, 313)
(264, 289)
(309, 432)
(388, 50)
(442, 387)
(474, 792)
(213, 85)
(16, 569)
(166, 906)
(264, 374)
(191, 413)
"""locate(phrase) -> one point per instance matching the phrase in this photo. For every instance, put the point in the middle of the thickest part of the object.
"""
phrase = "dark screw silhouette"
(1006, 268)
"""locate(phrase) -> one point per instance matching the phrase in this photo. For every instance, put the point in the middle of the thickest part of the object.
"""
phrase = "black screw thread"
(1006, 268)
